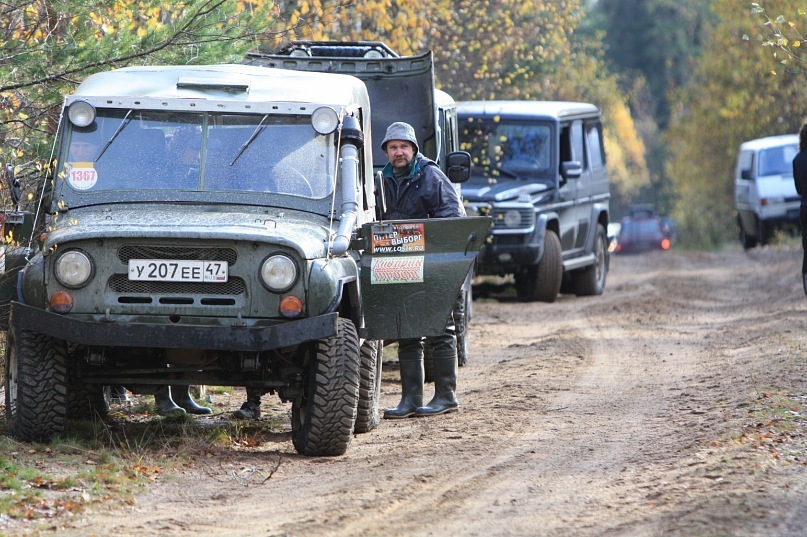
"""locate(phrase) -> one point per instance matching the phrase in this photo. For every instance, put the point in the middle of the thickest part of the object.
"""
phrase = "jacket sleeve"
(447, 201)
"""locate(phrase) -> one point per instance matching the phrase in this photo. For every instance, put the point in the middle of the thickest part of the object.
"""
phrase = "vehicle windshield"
(777, 160)
(156, 150)
(508, 150)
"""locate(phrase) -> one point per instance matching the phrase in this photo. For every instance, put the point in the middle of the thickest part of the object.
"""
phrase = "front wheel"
(36, 386)
(324, 414)
(542, 281)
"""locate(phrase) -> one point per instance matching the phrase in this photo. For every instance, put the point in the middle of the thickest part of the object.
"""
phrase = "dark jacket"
(425, 193)
(800, 175)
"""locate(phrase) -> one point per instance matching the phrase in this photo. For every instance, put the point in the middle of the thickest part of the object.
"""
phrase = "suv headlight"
(278, 272)
(73, 268)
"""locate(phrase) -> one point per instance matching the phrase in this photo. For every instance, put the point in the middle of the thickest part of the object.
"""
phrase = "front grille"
(120, 283)
(125, 253)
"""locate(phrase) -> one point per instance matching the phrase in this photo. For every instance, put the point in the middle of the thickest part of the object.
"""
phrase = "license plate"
(167, 270)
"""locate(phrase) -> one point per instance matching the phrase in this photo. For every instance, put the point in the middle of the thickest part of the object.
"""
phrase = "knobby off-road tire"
(590, 281)
(367, 416)
(541, 282)
(87, 401)
(36, 386)
(324, 414)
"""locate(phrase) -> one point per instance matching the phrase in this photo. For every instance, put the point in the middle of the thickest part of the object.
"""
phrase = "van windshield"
(508, 149)
(156, 150)
(777, 160)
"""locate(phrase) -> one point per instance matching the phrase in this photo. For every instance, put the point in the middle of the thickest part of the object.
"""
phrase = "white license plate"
(167, 270)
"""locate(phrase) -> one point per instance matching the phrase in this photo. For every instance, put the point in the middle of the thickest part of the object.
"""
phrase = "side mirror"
(746, 174)
(13, 184)
(459, 166)
(380, 198)
(571, 169)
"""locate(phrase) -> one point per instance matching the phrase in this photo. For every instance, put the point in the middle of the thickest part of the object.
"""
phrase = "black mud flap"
(412, 272)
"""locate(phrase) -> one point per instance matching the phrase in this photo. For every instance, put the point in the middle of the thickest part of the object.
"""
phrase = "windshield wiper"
(497, 171)
(258, 130)
(122, 125)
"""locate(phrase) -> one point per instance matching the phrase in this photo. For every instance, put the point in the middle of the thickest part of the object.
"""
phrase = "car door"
(572, 149)
(412, 271)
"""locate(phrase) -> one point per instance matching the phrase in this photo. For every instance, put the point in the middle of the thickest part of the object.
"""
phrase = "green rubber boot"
(182, 397)
(410, 358)
(165, 406)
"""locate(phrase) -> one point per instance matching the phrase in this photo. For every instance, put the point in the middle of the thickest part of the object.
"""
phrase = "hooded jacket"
(424, 193)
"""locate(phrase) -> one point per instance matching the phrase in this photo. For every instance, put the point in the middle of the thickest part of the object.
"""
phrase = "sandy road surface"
(634, 413)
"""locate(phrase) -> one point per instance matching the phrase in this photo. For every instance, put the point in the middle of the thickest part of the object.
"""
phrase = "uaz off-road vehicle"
(401, 88)
(217, 225)
(539, 171)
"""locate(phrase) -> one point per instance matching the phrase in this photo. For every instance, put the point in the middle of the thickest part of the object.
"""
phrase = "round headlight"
(81, 114)
(279, 273)
(325, 120)
(512, 218)
(73, 268)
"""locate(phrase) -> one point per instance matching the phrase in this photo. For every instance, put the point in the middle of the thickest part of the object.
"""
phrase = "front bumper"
(220, 338)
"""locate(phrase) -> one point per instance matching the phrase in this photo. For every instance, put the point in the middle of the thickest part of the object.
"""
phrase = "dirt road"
(671, 405)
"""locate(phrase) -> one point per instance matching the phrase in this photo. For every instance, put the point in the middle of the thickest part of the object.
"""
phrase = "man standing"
(415, 189)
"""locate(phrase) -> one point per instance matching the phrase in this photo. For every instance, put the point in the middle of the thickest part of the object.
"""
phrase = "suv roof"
(549, 109)
(771, 141)
(229, 82)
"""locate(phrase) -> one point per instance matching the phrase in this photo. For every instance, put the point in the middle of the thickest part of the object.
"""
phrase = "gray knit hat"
(400, 131)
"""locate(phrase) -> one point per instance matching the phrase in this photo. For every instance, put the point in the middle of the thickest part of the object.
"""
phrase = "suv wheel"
(324, 414)
(36, 386)
(591, 280)
(367, 415)
(542, 281)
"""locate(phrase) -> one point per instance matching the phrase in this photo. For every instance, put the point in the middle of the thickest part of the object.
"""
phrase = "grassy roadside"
(104, 464)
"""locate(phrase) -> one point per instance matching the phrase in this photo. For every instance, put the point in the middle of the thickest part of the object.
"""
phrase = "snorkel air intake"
(352, 139)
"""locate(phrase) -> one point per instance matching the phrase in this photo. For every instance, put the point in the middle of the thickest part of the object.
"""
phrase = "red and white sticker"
(405, 269)
(82, 175)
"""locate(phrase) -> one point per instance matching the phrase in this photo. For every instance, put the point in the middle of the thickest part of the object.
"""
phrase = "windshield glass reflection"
(145, 150)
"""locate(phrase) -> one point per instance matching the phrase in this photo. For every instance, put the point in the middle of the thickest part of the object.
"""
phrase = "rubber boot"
(410, 358)
(182, 397)
(445, 376)
(165, 406)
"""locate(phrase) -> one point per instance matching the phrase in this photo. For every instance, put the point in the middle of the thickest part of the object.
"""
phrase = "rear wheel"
(36, 386)
(591, 280)
(542, 281)
(324, 414)
(367, 415)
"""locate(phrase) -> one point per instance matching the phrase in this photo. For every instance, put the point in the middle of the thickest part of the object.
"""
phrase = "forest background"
(681, 82)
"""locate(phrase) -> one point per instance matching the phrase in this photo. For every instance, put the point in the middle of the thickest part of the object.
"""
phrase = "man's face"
(83, 151)
(400, 153)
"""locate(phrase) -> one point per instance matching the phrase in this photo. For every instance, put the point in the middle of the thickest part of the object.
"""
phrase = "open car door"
(412, 272)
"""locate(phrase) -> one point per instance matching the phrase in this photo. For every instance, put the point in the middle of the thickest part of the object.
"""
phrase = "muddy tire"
(87, 401)
(36, 386)
(590, 281)
(324, 414)
(367, 415)
(541, 282)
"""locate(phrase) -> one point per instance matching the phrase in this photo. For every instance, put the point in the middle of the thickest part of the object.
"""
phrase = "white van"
(764, 193)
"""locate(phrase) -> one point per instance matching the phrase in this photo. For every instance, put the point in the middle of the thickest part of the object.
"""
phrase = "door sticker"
(406, 269)
(82, 175)
(400, 238)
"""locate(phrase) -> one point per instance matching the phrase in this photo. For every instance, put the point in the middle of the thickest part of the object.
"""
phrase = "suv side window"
(578, 144)
(595, 149)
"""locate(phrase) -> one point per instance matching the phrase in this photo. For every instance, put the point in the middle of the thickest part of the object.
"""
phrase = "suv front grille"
(120, 283)
(127, 252)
